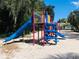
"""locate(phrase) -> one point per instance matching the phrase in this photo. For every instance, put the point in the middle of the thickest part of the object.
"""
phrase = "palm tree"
(19, 10)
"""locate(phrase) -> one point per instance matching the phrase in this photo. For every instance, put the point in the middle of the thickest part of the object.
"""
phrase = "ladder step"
(47, 34)
(47, 27)
(50, 31)
(55, 32)
(51, 38)
(49, 24)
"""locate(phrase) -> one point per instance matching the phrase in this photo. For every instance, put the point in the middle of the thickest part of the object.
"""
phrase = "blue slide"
(19, 31)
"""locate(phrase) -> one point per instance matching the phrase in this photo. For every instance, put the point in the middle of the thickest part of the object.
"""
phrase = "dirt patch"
(9, 50)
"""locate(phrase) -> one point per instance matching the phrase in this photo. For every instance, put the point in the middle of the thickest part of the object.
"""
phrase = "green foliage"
(73, 18)
(13, 13)
(18, 12)
(63, 20)
(50, 10)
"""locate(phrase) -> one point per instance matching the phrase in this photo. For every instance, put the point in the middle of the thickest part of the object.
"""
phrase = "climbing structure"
(48, 29)
(51, 30)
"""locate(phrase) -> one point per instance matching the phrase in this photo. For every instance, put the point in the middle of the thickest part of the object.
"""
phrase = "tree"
(74, 19)
(50, 10)
(63, 20)
(18, 11)
(63, 23)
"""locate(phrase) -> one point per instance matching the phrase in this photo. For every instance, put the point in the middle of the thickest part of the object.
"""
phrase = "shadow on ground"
(30, 41)
(64, 56)
(72, 36)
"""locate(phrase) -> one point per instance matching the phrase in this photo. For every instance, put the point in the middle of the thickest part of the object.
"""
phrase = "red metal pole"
(43, 28)
(33, 21)
(52, 23)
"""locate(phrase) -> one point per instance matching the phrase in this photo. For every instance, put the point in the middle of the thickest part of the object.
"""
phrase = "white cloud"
(75, 3)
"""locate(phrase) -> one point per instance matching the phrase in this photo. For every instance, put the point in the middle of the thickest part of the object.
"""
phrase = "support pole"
(33, 25)
(58, 26)
(38, 34)
(51, 23)
(43, 28)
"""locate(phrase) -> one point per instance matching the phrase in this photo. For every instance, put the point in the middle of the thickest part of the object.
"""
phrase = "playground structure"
(48, 31)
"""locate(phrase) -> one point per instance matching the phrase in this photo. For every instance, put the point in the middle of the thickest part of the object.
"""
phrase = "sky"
(62, 7)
